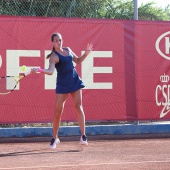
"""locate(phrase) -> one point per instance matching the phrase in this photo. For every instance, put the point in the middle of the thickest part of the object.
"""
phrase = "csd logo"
(162, 45)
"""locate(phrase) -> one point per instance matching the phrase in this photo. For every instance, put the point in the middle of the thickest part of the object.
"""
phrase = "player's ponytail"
(48, 56)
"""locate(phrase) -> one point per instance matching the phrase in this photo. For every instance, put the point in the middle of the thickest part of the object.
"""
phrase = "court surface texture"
(109, 152)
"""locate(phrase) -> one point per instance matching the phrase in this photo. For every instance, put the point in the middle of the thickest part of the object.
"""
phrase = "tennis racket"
(12, 82)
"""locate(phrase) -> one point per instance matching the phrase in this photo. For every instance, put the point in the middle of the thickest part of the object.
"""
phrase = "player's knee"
(78, 107)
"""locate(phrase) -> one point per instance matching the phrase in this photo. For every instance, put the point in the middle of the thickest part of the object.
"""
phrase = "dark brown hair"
(52, 39)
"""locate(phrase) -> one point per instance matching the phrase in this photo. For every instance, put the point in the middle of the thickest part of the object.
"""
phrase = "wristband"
(39, 70)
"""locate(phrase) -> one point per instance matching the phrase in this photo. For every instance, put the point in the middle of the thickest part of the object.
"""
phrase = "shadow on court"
(37, 152)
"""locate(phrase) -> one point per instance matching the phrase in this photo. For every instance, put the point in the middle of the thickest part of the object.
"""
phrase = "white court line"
(97, 164)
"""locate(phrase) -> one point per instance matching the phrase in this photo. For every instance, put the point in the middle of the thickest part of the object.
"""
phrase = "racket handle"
(39, 70)
(28, 72)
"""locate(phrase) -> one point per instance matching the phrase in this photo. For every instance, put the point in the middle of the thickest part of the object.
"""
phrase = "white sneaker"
(83, 140)
(54, 142)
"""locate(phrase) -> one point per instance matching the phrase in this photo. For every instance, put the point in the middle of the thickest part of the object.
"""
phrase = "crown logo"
(164, 78)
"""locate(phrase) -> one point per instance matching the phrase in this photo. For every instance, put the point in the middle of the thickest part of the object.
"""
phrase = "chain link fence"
(115, 9)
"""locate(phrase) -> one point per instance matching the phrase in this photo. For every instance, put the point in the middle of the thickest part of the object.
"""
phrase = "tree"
(149, 12)
(167, 11)
(116, 9)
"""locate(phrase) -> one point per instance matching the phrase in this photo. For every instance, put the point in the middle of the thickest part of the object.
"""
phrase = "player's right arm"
(52, 61)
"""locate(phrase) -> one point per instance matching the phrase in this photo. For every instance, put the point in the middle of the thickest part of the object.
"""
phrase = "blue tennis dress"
(67, 78)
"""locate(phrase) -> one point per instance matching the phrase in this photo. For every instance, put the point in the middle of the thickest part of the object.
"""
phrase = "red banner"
(126, 76)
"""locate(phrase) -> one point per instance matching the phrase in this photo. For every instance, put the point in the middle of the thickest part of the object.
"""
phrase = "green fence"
(115, 9)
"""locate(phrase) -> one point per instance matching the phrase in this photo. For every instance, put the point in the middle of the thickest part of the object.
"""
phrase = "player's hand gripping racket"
(12, 82)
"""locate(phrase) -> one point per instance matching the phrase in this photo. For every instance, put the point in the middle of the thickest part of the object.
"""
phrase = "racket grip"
(39, 70)
(28, 72)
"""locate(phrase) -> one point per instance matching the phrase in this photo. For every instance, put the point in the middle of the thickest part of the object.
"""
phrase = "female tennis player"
(68, 82)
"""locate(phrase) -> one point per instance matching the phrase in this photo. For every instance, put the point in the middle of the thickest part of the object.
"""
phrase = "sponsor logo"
(162, 95)
(165, 40)
(165, 111)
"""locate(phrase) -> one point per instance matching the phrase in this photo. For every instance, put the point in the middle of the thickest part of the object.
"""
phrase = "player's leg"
(59, 106)
(77, 101)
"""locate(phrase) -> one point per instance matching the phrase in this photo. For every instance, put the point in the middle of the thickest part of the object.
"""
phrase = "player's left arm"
(78, 60)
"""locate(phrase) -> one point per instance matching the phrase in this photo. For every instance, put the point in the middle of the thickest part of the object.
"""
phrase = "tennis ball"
(23, 68)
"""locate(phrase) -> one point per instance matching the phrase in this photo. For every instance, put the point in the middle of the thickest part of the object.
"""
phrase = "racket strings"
(7, 84)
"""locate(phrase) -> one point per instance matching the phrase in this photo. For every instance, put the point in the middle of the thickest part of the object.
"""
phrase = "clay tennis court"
(103, 152)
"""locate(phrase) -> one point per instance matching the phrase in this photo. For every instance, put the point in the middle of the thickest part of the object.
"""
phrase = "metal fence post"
(135, 2)
(135, 9)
